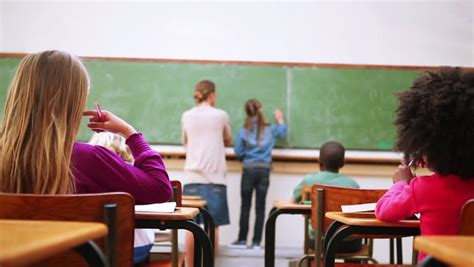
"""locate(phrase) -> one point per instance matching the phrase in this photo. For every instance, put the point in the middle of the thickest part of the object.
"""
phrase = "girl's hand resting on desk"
(403, 173)
(108, 122)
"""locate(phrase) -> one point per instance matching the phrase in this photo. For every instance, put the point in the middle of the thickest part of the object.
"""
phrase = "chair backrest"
(177, 192)
(333, 197)
(466, 223)
(114, 209)
(326, 198)
(306, 193)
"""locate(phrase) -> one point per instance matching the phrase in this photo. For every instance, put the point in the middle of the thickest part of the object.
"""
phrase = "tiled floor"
(231, 257)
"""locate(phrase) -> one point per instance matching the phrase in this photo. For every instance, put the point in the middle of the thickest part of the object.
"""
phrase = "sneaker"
(256, 246)
(239, 244)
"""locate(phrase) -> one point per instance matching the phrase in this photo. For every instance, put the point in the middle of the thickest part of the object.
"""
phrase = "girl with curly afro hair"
(435, 121)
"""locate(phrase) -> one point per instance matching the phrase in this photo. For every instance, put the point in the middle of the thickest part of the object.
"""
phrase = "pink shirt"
(437, 198)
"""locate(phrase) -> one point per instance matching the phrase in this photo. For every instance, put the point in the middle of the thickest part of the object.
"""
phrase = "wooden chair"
(175, 258)
(330, 198)
(466, 222)
(114, 209)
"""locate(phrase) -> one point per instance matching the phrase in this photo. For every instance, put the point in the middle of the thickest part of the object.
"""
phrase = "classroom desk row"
(27, 241)
(449, 250)
(344, 224)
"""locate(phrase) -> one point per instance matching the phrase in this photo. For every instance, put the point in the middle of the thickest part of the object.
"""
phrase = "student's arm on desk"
(398, 203)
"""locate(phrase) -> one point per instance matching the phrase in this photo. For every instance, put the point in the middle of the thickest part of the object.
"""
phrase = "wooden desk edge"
(443, 253)
(283, 204)
(89, 231)
(354, 221)
(180, 214)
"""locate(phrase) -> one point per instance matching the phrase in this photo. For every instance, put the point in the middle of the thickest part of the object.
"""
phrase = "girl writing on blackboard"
(41, 119)
(435, 121)
(253, 147)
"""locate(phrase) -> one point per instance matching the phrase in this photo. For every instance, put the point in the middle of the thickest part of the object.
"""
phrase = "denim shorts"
(216, 196)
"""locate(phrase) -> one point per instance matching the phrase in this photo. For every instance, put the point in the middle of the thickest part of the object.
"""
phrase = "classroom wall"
(361, 32)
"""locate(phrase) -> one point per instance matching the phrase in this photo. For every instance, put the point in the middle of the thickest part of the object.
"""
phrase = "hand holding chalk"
(278, 116)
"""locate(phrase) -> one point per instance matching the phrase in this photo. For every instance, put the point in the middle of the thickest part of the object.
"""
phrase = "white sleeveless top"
(204, 129)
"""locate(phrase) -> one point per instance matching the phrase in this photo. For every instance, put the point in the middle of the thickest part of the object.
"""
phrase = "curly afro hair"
(435, 120)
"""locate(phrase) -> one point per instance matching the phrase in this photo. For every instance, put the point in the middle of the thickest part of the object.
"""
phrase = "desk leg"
(392, 248)
(429, 261)
(270, 237)
(329, 233)
(209, 222)
(198, 233)
(92, 254)
(197, 252)
(399, 250)
(331, 245)
(200, 236)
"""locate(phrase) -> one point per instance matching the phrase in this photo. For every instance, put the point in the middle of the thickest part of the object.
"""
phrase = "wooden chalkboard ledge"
(352, 156)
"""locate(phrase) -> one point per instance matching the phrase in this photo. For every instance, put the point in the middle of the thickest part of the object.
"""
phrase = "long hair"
(254, 111)
(41, 119)
(203, 89)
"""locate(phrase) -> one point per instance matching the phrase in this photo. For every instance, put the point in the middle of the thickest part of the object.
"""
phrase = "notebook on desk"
(167, 207)
(359, 207)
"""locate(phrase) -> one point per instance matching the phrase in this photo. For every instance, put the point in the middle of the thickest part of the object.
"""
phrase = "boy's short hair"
(331, 156)
(435, 119)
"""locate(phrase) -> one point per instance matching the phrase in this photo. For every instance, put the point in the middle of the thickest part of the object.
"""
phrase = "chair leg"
(307, 257)
(429, 261)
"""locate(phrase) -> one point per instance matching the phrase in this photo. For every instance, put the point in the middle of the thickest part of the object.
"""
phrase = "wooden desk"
(279, 207)
(24, 242)
(191, 198)
(365, 224)
(201, 204)
(181, 219)
(452, 250)
(198, 203)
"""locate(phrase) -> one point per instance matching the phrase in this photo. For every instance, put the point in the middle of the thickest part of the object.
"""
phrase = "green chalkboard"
(352, 105)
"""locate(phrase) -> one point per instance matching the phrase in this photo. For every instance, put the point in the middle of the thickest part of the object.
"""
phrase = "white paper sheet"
(358, 207)
(167, 207)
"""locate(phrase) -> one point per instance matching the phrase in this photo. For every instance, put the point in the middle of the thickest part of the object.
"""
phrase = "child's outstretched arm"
(399, 202)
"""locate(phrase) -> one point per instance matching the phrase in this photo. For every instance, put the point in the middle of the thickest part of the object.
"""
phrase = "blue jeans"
(257, 178)
(216, 196)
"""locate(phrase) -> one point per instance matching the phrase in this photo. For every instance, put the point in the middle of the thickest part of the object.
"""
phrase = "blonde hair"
(41, 119)
(113, 142)
(203, 90)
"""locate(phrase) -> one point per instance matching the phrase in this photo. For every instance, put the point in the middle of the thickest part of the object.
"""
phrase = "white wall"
(366, 32)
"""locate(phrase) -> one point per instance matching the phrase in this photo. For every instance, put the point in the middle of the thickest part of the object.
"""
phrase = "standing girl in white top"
(205, 133)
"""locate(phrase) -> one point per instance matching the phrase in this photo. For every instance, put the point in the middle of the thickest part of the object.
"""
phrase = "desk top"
(24, 242)
(452, 250)
(180, 214)
(191, 198)
(368, 219)
(291, 205)
(194, 203)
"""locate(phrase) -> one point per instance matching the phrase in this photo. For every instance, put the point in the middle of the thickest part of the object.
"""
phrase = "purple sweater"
(99, 170)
